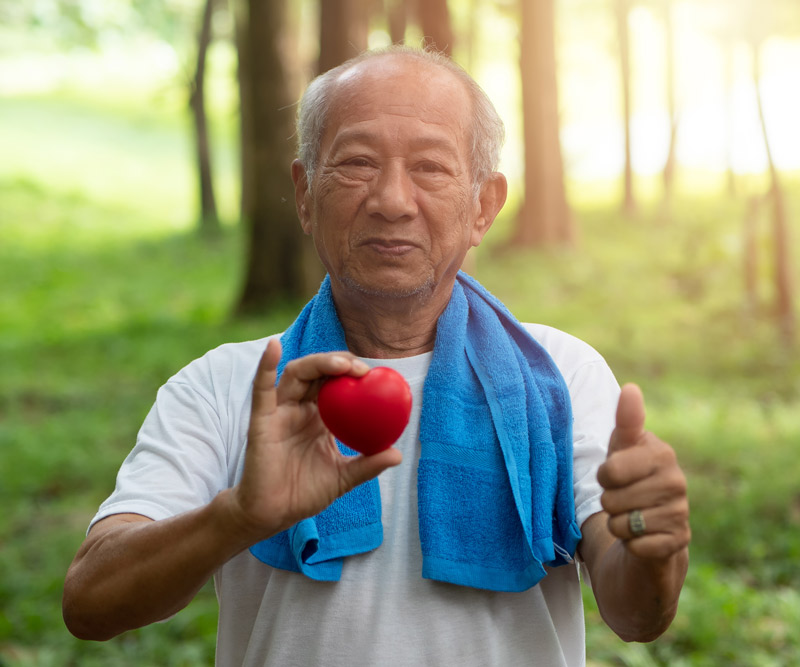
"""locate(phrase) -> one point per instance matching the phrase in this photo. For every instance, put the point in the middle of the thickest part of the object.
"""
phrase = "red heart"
(367, 413)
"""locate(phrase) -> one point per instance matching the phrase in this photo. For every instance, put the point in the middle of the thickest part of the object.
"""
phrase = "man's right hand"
(293, 468)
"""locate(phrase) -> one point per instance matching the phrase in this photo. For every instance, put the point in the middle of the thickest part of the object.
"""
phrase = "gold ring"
(636, 523)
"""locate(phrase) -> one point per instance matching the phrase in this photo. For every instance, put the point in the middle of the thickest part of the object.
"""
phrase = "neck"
(385, 328)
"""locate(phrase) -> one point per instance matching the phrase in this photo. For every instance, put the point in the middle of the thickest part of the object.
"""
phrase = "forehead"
(401, 91)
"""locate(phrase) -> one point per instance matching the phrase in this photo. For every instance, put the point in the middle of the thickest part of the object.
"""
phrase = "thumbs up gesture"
(644, 487)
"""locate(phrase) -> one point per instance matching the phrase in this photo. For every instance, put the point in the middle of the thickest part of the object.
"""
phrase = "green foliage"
(662, 300)
(105, 295)
(84, 23)
(94, 319)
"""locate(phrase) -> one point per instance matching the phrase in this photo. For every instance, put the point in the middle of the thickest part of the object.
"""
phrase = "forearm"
(638, 598)
(134, 573)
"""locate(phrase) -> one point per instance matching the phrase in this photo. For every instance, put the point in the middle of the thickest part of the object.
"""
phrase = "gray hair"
(488, 131)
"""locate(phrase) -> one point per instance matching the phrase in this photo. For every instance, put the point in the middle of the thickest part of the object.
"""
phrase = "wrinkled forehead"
(401, 84)
(387, 67)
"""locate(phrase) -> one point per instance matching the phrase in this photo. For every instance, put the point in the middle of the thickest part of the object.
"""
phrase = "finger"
(264, 394)
(630, 419)
(659, 546)
(654, 486)
(671, 518)
(630, 465)
(360, 469)
(302, 377)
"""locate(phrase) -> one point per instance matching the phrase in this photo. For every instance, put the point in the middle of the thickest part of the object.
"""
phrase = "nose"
(393, 194)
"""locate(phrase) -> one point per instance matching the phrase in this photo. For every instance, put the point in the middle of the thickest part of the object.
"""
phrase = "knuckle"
(640, 547)
(602, 475)
(663, 549)
(609, 503)
(675, 482)
(662, 451)
(615, 527)
(683, 510)
(652, 547)
(610, 474)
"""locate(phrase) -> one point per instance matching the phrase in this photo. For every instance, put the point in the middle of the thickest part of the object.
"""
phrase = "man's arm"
(637, 579)
(132, 571)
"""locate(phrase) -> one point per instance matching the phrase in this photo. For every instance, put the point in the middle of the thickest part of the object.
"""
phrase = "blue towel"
(495, 473)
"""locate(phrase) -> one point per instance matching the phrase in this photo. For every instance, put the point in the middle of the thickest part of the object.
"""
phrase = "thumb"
(630, 419)
(264, 392)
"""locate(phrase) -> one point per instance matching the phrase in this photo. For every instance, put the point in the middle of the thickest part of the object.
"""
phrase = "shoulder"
(568, 352)
(585, 371)
(220, 369)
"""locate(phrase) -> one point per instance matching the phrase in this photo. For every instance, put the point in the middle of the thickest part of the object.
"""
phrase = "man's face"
(392, 210)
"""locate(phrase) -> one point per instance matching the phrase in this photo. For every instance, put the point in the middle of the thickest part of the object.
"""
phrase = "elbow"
(642, 636)
(643, 631)
(83, 625)
(84, 619)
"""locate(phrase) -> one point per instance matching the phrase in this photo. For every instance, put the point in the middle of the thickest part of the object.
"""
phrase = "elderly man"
(522, 464)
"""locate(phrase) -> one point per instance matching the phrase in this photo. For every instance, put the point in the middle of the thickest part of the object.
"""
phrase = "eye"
(430, 167)
(356, 162)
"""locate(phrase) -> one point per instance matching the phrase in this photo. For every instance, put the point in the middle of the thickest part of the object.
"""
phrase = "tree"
(784, 287)
(343, 32)
(544, 218)
(344, 27)
(434, 21)
(754, 22)
(621, 13)
(397, 18)
(274, 270)
(87, 25)
(669, 39)
(209, 220)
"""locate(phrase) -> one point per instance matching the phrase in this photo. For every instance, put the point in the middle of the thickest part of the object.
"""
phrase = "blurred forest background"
(146, 215)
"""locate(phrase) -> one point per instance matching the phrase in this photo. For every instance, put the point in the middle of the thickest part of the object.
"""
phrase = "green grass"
(106, 293)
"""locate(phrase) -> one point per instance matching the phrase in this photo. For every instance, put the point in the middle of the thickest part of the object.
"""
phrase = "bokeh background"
(146, 215)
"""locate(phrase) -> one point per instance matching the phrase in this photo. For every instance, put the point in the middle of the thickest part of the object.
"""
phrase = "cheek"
(451, 221)
(335, 207)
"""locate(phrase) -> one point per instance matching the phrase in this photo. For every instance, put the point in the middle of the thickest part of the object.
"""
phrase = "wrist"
(236, 527)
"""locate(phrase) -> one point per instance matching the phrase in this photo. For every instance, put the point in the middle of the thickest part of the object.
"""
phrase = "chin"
(389, 289)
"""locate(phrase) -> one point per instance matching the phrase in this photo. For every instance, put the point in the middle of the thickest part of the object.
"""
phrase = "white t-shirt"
(382, 612)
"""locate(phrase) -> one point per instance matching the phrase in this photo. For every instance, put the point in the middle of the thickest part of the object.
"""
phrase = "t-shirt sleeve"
(594, 391)
(179, 461)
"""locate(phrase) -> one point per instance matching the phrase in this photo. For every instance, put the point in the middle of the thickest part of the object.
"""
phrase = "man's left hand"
(644, 487)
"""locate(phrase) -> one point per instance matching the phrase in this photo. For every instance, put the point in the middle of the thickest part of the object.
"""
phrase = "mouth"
(389, 247)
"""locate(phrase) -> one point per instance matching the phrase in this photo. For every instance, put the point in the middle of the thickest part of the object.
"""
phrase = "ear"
(301, 195)
(491, 199)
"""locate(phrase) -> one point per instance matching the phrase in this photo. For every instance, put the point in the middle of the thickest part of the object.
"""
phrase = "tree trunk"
(209, 219)
(238, 9)
(669, 164)
(622, 10)
(434, 21)
(274, 269)
(750, 255)
(343, 31)
(784, 289)
(544, 218)
(397, 19)
(344, 27)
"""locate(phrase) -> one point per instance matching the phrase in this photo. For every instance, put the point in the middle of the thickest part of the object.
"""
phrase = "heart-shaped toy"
(366, 413)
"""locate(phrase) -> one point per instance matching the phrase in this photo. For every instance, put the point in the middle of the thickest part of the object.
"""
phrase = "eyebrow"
(418, 143)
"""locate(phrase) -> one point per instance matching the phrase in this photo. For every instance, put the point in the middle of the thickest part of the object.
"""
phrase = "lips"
(389, 247)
